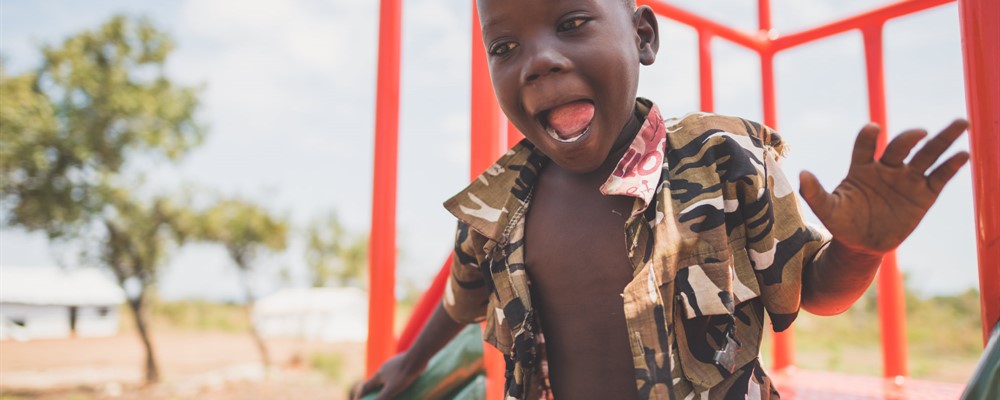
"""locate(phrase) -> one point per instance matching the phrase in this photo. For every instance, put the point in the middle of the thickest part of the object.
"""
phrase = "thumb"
(369, 386)
(815, 196)
(388, 392)
(390, 389)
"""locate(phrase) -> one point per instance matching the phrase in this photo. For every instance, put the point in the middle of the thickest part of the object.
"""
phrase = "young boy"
(615, 255)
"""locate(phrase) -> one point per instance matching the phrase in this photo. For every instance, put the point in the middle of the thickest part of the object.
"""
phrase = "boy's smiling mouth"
(568, 122)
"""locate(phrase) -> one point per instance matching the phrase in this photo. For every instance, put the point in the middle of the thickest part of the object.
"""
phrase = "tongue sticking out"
(568, 121)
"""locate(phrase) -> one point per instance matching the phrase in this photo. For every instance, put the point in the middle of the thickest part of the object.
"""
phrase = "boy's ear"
(647, 34)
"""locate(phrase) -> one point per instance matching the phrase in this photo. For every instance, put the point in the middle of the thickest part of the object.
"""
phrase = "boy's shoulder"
(489, 201)
(699, 129)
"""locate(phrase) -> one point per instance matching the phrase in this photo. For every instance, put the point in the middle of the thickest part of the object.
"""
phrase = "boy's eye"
(502, 48)
(571, 24)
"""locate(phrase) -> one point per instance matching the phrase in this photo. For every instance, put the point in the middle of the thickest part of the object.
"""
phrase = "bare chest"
(575, 242)
(575, 252)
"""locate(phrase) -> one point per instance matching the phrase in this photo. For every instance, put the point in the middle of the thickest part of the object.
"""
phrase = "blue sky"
(289, 94)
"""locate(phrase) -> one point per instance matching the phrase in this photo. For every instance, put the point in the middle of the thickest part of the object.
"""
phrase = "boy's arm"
(399, 372)
(464, 302)
(832, 283)
(878, 204)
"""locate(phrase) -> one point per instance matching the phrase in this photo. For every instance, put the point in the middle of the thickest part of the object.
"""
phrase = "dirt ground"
(193, 366)
(226, 366)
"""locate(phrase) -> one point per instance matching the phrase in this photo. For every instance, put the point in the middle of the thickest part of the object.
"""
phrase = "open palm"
(880, 202)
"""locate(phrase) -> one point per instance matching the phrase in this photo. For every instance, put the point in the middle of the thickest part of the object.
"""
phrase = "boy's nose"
(543, 62)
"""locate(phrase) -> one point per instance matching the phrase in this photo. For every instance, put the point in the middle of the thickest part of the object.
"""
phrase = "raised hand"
(880, 202)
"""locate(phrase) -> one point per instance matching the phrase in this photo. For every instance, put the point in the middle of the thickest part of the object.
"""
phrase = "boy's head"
(566, 71)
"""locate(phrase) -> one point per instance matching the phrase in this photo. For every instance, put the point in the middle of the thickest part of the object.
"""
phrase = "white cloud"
(312, 35)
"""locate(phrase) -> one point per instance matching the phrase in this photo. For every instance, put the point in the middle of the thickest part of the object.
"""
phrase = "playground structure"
(491, 135)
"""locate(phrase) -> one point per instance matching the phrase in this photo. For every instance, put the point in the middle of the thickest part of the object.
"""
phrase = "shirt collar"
(638, 172)
(492, 200)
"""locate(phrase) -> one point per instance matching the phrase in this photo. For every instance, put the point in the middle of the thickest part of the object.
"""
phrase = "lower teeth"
(555, 135)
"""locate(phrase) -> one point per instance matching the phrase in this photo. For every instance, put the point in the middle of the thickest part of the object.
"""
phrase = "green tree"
(334, 255)
(68, 130)
(245, 229)
(138, 238)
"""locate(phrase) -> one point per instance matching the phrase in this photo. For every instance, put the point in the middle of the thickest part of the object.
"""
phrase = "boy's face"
(565, 71)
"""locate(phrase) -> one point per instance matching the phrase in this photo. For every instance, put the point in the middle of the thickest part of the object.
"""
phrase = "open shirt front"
(715, 238)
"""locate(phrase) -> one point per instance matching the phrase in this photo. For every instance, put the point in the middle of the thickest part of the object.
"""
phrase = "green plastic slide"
(474, 390)
(453, 372)
(985, 382)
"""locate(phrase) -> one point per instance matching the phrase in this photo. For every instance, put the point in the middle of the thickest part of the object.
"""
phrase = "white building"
(331, 314)
(48, 302)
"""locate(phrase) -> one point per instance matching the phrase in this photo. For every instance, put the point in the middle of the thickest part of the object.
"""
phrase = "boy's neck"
(624, 141)
(627, 136)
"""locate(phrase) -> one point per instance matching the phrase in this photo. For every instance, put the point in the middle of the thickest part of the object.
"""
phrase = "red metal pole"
(784, 342)
(486, 145)
(980, 30)
(705, 70)
(486, 141)
(767, 88)
(764, 15)
(382, 250)
(891, 300)
(872, 35)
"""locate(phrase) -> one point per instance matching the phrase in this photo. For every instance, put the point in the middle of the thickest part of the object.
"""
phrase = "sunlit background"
(287, 99)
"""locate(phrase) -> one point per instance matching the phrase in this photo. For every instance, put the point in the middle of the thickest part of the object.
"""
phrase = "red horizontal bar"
(702, 24)
(873, 17)
(762, 41)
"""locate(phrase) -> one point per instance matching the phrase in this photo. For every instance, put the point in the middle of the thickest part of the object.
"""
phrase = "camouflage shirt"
(715, 238)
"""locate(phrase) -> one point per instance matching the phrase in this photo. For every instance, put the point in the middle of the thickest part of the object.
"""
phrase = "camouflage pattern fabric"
(716, 238)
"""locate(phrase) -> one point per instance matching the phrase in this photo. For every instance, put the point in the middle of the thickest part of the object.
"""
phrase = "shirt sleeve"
(784, 243)
(466, 292)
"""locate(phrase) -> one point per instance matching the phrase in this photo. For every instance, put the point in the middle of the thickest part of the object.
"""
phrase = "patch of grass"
(943, 333)
(331, 365)
(42, 396)
(199, 315)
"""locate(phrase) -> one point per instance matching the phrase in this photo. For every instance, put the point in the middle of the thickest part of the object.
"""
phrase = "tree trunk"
(248, 306)
(152, 370)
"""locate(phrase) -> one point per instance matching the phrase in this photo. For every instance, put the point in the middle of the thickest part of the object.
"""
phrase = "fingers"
(864, 145)
(370, 385)
(815, 196)
(900, 147)
(932, 150)
(357, 391)
(944, 172)
(388, 392)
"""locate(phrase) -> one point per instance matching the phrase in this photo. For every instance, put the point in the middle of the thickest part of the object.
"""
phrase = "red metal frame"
(980, 21)
(766, 42)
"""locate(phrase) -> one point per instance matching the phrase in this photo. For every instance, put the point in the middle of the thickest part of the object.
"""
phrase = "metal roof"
(55, 286)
